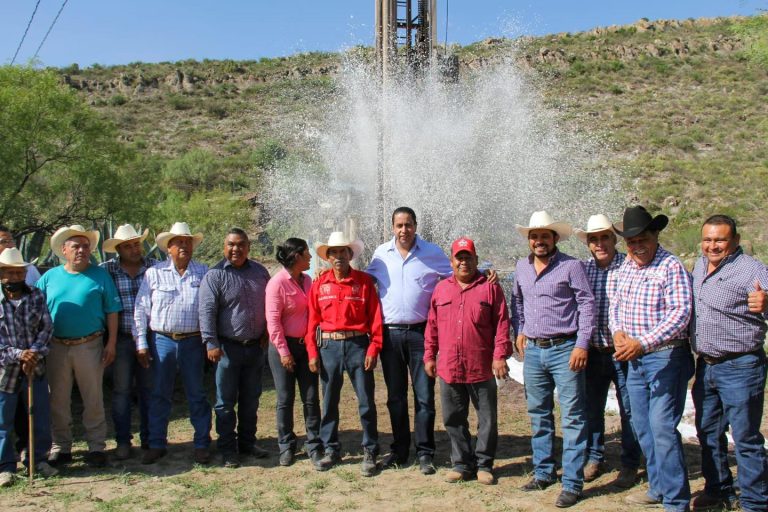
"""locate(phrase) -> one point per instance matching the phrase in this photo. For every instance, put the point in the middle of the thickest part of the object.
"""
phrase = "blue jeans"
(545, 369)
(125, 370)
(602, 369)
(731, 392)
(186, 356)
(337, 357)
(403, 350)
(238, 382)
(658, 383)
(285, 385)
(42, 426)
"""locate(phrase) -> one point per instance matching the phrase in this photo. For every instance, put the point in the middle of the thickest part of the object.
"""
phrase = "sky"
(109, 32)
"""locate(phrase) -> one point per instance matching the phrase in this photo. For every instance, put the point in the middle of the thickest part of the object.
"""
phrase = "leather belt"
(176, 336)
(670, 345)
(70, 342)
(408, 327)
(552, 342)
(245, 343)
(342, 335)
(300, 341)
(717, 360)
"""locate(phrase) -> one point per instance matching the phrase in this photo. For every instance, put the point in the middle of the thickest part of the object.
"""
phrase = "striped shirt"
(603, 282)
(556, 302)
(127, 288)
(27, 326)
(652, 303)
(723, 324)
(167, 301)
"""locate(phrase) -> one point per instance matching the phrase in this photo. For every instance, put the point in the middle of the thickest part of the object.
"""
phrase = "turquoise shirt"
(79, 303)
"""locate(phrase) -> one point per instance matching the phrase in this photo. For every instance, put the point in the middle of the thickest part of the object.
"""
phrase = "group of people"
(632, 320)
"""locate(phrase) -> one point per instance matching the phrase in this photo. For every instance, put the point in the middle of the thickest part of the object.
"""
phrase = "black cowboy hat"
(637, 219)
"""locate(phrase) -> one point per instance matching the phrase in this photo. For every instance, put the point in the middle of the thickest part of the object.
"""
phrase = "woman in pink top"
(287, 317)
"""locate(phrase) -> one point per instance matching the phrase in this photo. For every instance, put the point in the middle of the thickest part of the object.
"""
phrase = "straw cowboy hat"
(339, 239)
(178, 229)
(637, 219)
(124, 233)
(12, 258)
(543, 220)
(65, 233)
(595, 224)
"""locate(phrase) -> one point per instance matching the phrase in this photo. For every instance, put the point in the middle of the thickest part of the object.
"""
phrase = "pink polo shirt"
(286, 309)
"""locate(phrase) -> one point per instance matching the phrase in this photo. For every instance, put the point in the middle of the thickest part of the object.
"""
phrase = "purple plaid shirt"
(603, 281)
(128, 288)
(652, 303)
(556, 302)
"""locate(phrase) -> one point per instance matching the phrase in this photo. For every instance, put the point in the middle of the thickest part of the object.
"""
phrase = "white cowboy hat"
(595, 224)
(178, 229)
(12, 258)
(65, 233)
(123, 234)
(339, 239)
(543, 220)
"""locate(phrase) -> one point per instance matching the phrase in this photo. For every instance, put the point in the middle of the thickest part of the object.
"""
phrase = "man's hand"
(288, 363)
(619, 338)
(756, 300)
(143, 357)
(28, 356)
(430, 368)
(314, 365)
(264, 341)
(520, 344)
(578, 360)
(28, 367)
(108, 355)
(492, 276)
(370, 362)
(214, 355)
(500, 368)
(627, 348)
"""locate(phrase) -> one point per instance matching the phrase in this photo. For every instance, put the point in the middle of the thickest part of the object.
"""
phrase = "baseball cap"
(463, 244)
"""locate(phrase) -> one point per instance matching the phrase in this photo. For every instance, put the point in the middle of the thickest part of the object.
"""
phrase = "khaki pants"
(81, 363)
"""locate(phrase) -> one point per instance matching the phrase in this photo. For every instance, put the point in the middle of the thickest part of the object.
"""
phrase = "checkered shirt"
(603, 282)
(723, 324)
(652, 303)
(127, 287)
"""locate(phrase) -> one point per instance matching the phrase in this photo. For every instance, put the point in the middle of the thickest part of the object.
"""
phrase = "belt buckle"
(175, 336)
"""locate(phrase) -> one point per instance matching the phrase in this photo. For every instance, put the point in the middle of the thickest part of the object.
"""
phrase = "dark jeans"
(602, 370)
(338, 357)
(455, 399)
(125, 370)
(238, 382)
(732, 392)
(285, 384)
(42, 426)
(403, 351)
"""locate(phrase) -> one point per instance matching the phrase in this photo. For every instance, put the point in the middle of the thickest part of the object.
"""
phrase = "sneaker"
(535, 484)
(328, 461)
(566, 499)
(393, 461)
(59, 459)
(426, 465)
(229, 460)
(368, 467)
(96, 459)
(152, 455)
(201, 456)
(641, 498)
(485, 477)
(6, 479)
(123, 451)
(708, 502)
(254, 450)
(592, 470)
(454, 476)
(46, 470)
(626, 479)
(287, 458)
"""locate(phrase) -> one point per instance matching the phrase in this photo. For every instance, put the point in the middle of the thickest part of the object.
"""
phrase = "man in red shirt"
(468, 327)
(343, 303)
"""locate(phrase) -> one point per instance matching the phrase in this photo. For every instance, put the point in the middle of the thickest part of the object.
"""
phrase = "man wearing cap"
(7, 242)
(25, 335)
(556, 318)
(406, 270)
(127, 270)
(343, 304)
(648, 316)
(467, 344)
(84, 303)
(234, 327)
(729, 329)
(167, 305)
(602, 369)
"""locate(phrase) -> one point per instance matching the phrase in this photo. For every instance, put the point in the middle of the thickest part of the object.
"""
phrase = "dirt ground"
(177, 484)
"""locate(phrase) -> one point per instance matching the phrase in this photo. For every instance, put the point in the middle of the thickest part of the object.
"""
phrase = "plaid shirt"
(167, 301)
(603, 282)
(27, 326)
(652, 303)
(723, 324)
(127, 287)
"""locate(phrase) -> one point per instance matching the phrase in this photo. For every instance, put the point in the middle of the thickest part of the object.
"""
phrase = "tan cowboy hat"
(543, 220)
(178, 229)
(65, 233)
(124, 233)
(12, 258)
(339, 239)
(595, 224)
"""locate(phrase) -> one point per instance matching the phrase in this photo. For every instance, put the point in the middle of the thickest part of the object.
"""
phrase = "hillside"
(678, 102)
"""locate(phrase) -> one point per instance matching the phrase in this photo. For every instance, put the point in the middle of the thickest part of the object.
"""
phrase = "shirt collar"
(613, 265)
(227, 264)
(479, 277)
(393, 246)
(728, 259)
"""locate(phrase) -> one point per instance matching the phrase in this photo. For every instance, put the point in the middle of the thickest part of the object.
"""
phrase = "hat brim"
(110, 244)
(58, 239)
(583, 234)
(163, 238)
(356, 246)
(14, 265)
(563, 229)
(658, 223)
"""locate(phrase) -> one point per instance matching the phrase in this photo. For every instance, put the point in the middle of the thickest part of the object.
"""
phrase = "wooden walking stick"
(31, 405)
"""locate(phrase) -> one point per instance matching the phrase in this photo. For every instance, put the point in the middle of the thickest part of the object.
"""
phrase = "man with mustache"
(648, 316)
(556, 311)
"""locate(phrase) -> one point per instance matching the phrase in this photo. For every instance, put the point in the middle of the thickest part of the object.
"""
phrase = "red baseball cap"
(463, 244)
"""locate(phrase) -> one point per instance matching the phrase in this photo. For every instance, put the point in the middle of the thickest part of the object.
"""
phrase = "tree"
(755, 33)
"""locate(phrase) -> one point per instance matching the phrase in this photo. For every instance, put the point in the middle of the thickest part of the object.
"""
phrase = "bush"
(117, 100)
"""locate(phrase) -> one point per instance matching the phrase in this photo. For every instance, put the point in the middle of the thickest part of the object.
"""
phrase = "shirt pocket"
(481, 313)
(291, 299)
(166, 293)
(354, 310)
(443, 311)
